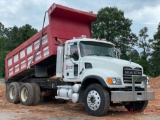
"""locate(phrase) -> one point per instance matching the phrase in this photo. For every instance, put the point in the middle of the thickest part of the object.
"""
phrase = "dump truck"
(64, 59)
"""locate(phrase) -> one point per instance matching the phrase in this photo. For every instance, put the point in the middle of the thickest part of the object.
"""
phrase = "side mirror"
(75, 56)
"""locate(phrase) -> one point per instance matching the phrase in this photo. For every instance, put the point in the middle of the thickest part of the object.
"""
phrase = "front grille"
(128, 72)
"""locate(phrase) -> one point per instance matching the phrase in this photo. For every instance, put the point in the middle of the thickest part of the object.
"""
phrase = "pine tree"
(155, 60)
(145, 44)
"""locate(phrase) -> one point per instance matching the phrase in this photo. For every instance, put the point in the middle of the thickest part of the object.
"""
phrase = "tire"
(137, 106)
(26, 94)
(37, 93)
(96, 100)
(12, 91)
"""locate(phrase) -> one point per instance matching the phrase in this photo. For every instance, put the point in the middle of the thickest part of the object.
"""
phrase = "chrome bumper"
(134, 95)
(130, 96)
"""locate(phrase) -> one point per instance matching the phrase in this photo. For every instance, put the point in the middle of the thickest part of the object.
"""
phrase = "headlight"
(148, 81)
(114, 81)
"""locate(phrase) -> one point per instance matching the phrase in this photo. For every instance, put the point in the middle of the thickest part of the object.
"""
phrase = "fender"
(89, 80)
(96, 79)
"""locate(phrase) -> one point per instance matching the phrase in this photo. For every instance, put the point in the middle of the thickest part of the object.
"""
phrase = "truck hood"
(111, 61)
(109, 64)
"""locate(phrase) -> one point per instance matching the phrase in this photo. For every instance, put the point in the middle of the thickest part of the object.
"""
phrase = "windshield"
(89, 48)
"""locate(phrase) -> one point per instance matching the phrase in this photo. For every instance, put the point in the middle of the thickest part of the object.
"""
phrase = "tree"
(145, 44)
(3, 53)
(113, 26)
(1, 30)
(10, 38)
(25, 32)
(17, 36)
(2, 49)
(155, 59)
(134, 56)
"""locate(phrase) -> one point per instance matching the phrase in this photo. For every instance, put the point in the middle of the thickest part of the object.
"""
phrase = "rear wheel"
(37, 93)
(27, 94)
(12, 91)
(137, 106)
(96, 100)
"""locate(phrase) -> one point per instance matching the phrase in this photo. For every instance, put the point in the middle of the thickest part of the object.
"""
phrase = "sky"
(143, 13)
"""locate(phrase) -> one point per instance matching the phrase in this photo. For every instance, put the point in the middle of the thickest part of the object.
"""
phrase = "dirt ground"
(71, 111)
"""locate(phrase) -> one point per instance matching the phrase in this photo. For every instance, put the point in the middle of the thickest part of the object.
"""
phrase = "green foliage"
(113, 26)
(10, 38)
(16, 36)
(145, 44)
(3, 53)
(2, 49)
(1, 30)
(134, 56)
(155, 59)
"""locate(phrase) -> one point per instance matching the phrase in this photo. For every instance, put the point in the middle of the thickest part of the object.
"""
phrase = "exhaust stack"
(59, 63)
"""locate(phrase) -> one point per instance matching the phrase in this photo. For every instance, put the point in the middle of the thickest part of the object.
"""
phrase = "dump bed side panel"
(20, 58)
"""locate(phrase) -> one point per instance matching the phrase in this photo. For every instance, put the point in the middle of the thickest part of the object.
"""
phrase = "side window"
(74, 52)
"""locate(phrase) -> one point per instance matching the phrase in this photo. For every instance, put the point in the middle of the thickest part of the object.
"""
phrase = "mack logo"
(131, 72)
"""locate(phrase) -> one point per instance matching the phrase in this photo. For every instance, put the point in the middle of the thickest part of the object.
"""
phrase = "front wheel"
(137, 106)
(96, 100)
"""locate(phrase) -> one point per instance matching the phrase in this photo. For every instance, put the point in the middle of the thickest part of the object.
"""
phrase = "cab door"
(71, 62)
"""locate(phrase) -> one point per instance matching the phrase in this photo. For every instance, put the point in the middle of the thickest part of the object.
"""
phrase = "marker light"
(114, 81)
(83, 36)
(109, 80)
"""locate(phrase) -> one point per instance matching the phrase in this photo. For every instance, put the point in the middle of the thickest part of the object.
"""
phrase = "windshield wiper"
(92, 55)
(108, 55)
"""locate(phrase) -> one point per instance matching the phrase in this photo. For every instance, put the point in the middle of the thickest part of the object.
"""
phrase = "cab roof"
(88, 39)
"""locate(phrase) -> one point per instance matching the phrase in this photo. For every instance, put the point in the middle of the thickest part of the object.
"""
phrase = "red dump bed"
(64, 23)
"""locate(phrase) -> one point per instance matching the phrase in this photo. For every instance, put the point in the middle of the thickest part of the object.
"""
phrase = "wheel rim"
(12, 93)
(93, 100)
(24, 93)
